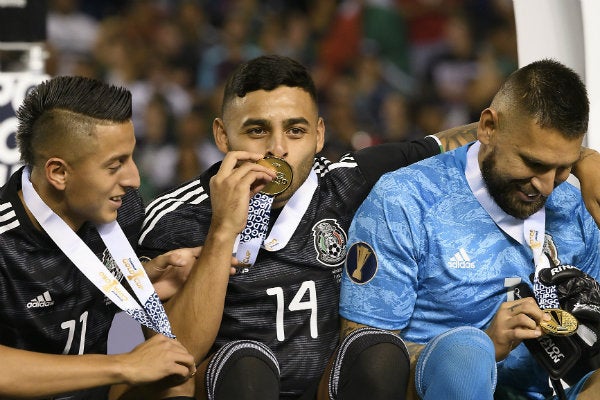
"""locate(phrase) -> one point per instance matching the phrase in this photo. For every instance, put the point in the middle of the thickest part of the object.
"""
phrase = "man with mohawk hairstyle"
(69, 221)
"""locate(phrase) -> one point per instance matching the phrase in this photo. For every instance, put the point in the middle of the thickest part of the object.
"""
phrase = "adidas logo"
(461, 260)
(43, 300)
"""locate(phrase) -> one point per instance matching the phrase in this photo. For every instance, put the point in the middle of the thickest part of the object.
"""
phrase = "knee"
(371, 363)
(243, 369)
(382, 362)
(469, 348)
(465, 346)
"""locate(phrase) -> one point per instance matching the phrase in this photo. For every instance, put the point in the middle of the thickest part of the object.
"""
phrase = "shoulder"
(11, 211)
(421, 189)
(376, 160)
(436, 170)
(345, 165)
(192, 193)
(566, 205)
(565, 199)
(179, 217)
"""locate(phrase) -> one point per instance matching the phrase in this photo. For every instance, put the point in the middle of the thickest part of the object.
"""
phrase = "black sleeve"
(375, 161)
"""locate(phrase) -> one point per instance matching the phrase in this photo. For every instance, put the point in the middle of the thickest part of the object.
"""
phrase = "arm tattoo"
(456, 137)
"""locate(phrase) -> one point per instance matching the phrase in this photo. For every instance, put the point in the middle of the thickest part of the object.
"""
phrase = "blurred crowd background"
(386, 70)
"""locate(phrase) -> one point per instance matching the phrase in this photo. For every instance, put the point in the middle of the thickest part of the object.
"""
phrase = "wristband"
(438, 141)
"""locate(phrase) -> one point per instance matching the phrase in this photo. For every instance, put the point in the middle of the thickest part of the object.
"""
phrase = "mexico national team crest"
(330, 242)
(361, 264)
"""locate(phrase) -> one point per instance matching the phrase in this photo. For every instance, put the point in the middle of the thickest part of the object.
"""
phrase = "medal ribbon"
(251, 238)
(152, 314)
(292, 214)
(533, 229)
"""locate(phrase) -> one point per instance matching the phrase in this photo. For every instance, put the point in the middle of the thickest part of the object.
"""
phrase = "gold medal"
(561, 323)
(282, 181)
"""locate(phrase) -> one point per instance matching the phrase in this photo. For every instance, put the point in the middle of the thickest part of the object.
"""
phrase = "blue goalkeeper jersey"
(426, 257)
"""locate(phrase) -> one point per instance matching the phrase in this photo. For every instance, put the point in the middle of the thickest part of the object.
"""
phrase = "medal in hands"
(561, 323)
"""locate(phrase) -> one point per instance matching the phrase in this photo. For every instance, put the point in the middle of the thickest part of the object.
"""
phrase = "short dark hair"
(551, 93)
(64, 105)
(267, 73)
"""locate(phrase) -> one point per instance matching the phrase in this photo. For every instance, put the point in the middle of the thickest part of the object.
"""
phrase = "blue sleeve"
(591, 260)
(380, 276)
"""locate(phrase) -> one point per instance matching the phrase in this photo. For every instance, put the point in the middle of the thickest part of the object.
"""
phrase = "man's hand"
(169, 271)
(455, 137)
(586, 170)
(514, 322)
(156, 359)
(238, 179)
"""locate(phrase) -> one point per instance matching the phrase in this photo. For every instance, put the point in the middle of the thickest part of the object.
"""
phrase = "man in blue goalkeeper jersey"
(439, 249)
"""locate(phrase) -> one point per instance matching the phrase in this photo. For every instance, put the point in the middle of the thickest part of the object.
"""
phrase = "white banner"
(565, 30)
(13, 88)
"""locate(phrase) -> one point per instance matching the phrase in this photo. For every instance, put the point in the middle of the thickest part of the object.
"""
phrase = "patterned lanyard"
(533, 229)
(253, 235)
(152, 314)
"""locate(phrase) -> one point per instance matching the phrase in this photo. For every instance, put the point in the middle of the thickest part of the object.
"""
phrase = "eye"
(258, 131)
(296, 131)
(114, 167)
(536, 166)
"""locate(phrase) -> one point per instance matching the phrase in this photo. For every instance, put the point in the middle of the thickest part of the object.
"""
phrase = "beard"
(504, 190)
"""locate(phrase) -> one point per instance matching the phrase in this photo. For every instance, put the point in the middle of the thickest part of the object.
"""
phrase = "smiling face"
(523, 163)
(283, 122)
(95, 182)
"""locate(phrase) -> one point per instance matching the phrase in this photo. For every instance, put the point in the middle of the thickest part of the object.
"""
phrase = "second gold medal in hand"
(561, 323)
(282, 181)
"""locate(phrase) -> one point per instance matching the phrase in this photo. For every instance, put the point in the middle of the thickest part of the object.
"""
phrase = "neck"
(29, 214)
(52, 198)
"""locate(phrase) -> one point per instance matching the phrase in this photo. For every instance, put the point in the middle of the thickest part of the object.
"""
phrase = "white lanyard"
(292, 214)
(533, 229)
(152, 314)
(251, 238)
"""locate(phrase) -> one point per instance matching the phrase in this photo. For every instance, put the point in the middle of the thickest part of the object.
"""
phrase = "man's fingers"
(233, 158)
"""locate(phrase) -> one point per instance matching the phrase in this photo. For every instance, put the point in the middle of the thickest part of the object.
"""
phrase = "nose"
(131, 176)
(277, 145)
(546, 182)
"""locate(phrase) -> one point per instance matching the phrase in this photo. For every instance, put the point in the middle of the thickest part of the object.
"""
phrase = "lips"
(117, 200)
(529, 198)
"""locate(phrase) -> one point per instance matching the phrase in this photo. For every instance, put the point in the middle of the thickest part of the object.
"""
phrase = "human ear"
(488, 124)
(220, 135)
(56, 172)
(320, 135)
